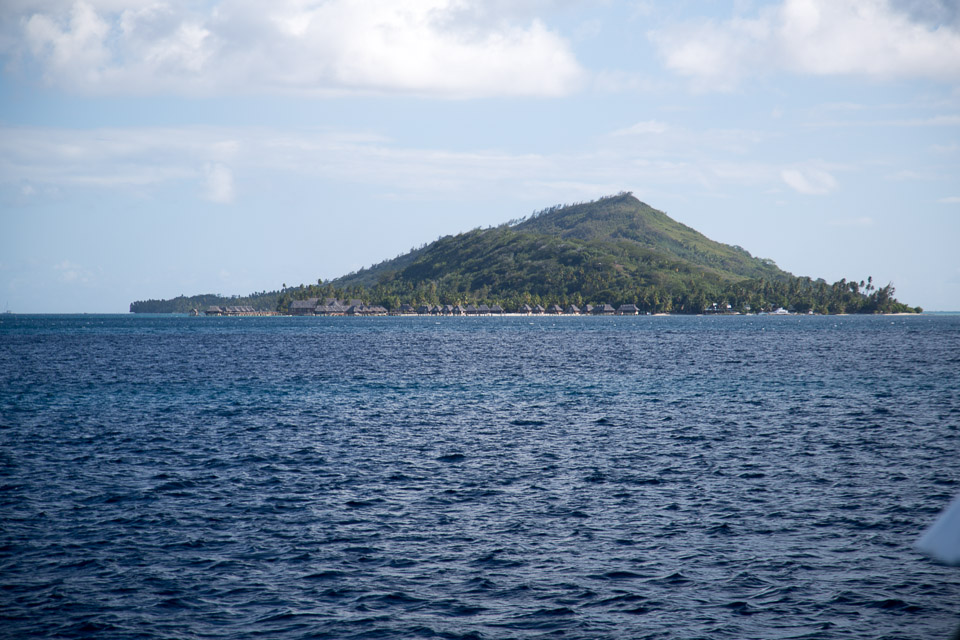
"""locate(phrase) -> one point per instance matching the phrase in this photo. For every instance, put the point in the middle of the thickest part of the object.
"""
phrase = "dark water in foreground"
(738, 477)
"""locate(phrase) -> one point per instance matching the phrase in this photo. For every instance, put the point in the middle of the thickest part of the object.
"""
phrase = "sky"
(153, 149)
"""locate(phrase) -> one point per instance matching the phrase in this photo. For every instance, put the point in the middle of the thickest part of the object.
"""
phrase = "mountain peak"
(606, 218)
(625, 218)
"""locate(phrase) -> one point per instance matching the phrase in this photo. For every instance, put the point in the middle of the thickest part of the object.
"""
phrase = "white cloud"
(219, 184)
(815, 37)
(148, 162)
(909, 175)
(71, 43)
(861, 222)
(809, 181)
(945, 120)
(945, 148)
(110, 158)
(938, 121)
(71, 273)
(950, 200)
(151, 159)
(641, 128)
(446, 48)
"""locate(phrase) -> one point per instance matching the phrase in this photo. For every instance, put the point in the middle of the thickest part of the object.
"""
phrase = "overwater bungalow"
(369, 310)
(332, 307)
(525, 309)
(355, 310)
(538, 309)
(603, 310)
(238, 310)
(554, 309)
(627, 310)
(572, 310)
(306, 307)
(497, 309)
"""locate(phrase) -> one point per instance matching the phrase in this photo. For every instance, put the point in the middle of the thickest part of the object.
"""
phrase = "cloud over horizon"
(219, 184)
(809, 181)
(158, 158)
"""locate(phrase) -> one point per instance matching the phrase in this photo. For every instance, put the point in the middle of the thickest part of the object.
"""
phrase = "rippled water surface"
(681, 477)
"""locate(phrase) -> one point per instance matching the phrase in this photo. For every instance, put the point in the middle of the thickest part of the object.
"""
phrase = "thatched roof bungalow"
(332, 307)
(303, 307)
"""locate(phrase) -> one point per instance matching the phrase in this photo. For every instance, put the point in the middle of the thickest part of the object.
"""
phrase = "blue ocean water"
(648, 477)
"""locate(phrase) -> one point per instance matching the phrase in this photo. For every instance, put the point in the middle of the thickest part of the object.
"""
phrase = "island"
(616, 254)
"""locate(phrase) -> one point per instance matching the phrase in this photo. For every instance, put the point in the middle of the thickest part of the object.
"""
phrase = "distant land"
(613, 251)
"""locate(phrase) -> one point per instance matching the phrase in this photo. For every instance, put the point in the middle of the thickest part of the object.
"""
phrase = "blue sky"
(151, 149)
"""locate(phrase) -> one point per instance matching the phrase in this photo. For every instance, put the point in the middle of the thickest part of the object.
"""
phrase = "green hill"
(619, 230)
(261, 301)
(613, 250)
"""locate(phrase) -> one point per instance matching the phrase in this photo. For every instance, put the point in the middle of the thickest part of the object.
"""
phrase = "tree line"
(800, 295)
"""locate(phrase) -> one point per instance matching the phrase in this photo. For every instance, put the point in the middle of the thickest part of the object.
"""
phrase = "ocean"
(631, 477)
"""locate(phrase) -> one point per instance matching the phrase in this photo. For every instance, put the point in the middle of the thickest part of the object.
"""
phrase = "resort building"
(242, 310)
